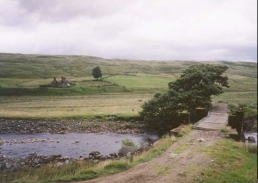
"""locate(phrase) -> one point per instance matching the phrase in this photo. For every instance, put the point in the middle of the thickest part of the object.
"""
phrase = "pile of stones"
(28, 126)
(22, 141)
(37, 161)
(32, 160)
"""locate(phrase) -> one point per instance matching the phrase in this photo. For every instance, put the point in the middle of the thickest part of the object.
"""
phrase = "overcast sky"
(132, 29)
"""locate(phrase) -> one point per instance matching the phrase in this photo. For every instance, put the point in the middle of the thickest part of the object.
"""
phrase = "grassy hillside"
(125, 83)
(43, 66)
(30, 71)
(40, 66)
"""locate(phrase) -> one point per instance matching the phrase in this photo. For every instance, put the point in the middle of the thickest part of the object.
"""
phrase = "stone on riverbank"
(126, 149)
(29, 126)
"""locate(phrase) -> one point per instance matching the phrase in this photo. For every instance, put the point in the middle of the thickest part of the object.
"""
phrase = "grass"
(181, 148)
(247, 99)
(161, 169)
(32, 175)
(44, 66)
(84, 170)
(247, 84)
(17, 70)
(90, 106)
(227, 130)
(72, 107)
(251, 148)
(231, 164)
(115, 84)
(182, 131)
(143, 83)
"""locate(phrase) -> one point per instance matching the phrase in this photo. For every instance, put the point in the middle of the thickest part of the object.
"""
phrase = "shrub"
(128, 142)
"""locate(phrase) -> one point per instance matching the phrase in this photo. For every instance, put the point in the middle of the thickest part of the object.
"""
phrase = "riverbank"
(201, 156)
(29, 126)
(59, 134)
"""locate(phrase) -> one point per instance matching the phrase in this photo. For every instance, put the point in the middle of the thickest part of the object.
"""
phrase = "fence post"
(185, 117)
(200, 113)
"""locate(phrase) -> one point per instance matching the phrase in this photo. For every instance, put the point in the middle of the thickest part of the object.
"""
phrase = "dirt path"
(174, 165)
(169, 167)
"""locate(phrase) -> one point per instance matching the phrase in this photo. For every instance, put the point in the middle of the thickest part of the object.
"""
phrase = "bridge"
(217, 118)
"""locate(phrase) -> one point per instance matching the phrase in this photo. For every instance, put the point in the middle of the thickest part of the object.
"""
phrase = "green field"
(71, 106)
(125, 86)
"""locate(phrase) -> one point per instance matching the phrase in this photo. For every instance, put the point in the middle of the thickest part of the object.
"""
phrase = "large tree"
(193, 89)
(96, 72)
(198, 83)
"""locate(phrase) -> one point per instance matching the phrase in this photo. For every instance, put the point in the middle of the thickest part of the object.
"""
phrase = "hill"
(46, 66)
(125, 86)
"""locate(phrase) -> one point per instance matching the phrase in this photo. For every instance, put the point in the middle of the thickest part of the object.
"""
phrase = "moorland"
(125, 85)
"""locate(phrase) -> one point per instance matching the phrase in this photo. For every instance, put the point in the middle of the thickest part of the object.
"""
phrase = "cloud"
(148, 29)
(63, 10)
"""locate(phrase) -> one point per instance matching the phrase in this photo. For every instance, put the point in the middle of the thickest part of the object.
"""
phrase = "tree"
(198, 83)
(161, 112)
(193, 89)
(96, 72)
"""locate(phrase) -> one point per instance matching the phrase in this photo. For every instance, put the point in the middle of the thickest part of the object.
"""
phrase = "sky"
(199, 30)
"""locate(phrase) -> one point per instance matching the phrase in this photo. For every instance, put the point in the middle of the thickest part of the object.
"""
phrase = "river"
(72, 145)
(250, 134)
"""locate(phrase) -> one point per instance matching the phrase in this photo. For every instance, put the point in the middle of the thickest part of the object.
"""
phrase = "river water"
(71, 145)
(250, 134)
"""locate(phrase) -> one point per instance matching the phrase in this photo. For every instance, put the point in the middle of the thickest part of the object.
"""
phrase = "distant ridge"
(16, 65)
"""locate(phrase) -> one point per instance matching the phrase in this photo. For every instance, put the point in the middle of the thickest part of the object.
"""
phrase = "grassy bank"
(229, 162)
(226, 161)
(84, 170)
